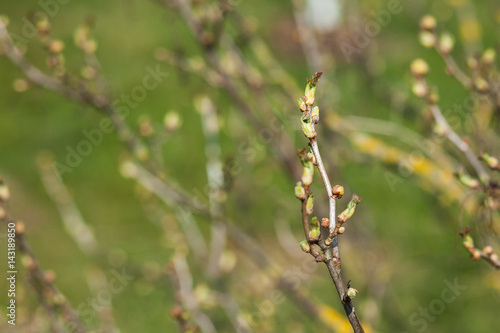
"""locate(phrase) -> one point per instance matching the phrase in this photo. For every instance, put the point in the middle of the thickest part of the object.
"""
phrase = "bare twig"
(419, 70)
(330, 248)
(49, 296)
(487, 253)
(215, 182)
(188, 298)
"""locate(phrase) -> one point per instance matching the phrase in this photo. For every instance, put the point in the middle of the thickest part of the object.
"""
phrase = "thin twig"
(49, 296)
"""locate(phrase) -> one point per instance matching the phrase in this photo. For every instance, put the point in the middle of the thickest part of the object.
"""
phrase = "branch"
(419, 69)
(329, 247)
(49, 296)
(487, 253)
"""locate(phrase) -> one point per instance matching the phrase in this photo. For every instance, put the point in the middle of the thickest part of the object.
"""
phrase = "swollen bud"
(325, 223)
(312, 158)
(308, 129)
(302, 105)
(468, 242)
(428, 22)
(300, 193)
(427, 39)
(351, 207)
(310, 97)
(315, 223)
(491, 161)
(419, 89)
(476, 254)
(304, 245)
(338, 191)
(315, 114)
(351, 293)
(446, 43)
(307, 176)
(419, 68)
(488, 250)
(314, 235)
(310, 204)
(488, 57)
(468, 181)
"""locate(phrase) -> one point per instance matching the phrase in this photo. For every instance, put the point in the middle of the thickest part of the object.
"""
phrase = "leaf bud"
(310, 204)
(300, 192)
(304, 245)
(351, 293)
(419, 67)
(338, 191)
(428, 22)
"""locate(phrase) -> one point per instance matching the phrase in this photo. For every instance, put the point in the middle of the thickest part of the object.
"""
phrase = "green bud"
(312, 158)
(314, 223)
(468, 180)
(314, 235)
(488, 57)
(351, 207)
(307, 176)
(308, 128)
(419, 89)
(419, 68)
(302, 105)
(300, 192)
(310, 204)
(468, 242)
(351, 293)
(310, 97)
(304, 245)
(428, 22)
(427, 39)
(491, 161)
(446, 43)
(315, 114)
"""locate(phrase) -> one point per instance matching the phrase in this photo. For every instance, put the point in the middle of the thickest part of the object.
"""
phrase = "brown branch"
(419, 70)
(49, 296)
(487, 253)
(330, 248)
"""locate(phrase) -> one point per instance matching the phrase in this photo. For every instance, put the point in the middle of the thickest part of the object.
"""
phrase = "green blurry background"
(400, 247)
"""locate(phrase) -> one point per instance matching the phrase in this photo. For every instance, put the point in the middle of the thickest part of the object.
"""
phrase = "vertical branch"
(215, 182)
(330, 248)
(50, 297)
(186, 293)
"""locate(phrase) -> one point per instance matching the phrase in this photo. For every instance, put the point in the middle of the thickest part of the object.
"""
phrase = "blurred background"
(99, 227)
